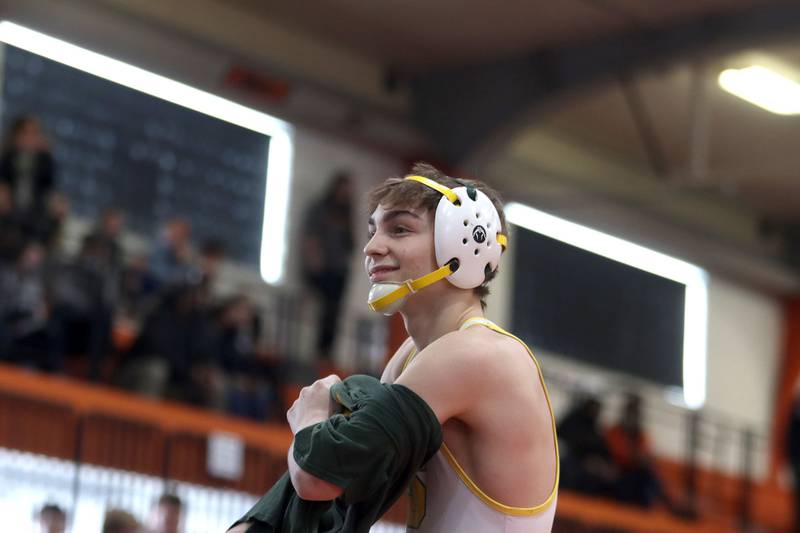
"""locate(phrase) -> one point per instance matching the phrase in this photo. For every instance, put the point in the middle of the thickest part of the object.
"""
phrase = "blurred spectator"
(167, 514)
(327, 254)
(82, 299)
(24, 307)
(138, 288)
(47, 226)
(793, 449)
(629, 445)
(586, 464)
(26, 165)
(209, 259)
(172, 261)
(11, 237)
(251, 388)
(51, 519)
(119, 521)
(107, 235)
(212, 253)
(172, 340)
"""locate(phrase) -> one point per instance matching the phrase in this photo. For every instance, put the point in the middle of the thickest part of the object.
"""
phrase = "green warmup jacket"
(372, 451)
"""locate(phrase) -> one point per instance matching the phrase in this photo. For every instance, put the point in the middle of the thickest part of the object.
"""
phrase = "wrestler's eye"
(399, 230)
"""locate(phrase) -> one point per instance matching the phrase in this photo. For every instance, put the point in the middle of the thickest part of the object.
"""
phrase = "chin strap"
(411, 286)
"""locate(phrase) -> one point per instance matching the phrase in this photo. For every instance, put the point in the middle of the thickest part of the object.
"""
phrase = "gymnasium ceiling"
(603, 111)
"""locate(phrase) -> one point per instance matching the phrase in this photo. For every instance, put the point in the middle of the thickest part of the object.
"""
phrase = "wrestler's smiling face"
(400, 245)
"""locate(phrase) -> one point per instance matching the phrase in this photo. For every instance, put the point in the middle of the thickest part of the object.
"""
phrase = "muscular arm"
(308, 486)
(311, 407)
(450, 374)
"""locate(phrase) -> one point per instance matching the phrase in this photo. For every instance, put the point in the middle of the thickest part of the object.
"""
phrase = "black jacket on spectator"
(793, 454)
(177, 332)
(793, 440)
(11, 237)
(41, 174)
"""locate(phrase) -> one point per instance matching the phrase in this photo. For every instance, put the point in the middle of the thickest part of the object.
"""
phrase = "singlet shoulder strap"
(408, 359)
(479, 320)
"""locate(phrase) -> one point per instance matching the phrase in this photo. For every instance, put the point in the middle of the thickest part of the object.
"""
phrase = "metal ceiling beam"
(645, 127)
(463, 109)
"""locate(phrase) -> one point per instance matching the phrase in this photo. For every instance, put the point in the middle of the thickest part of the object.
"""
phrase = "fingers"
(331, 380)
(323, 384)
(313, 404)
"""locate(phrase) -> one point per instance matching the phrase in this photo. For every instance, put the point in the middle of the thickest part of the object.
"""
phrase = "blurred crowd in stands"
(165, 517)
(149, 323)
(614, 461)
(154, 325)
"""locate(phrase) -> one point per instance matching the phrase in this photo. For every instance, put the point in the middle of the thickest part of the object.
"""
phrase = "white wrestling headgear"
(468, 241)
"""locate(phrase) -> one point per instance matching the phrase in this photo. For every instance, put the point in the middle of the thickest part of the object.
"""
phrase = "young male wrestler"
(434, 242)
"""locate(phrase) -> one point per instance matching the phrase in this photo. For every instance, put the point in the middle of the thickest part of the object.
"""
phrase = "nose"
(376, 246)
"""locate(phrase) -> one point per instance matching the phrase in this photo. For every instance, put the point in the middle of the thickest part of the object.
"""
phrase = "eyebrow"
(391, 215)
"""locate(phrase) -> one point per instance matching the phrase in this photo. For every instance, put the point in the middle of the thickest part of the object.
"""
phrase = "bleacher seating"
(64, 418)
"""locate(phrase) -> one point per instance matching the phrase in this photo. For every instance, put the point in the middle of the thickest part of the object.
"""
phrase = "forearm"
(308, 486)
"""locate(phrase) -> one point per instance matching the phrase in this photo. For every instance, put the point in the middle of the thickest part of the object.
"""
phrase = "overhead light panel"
(763, 87)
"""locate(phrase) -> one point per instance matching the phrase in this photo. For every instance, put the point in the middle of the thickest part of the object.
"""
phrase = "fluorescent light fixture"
(763, 87)
(694, 278)
(281, 146)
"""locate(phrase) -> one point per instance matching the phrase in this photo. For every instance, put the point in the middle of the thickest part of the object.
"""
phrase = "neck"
(438, 314)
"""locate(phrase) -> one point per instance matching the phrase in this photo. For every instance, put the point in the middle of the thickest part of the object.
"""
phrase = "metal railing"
(719, 457)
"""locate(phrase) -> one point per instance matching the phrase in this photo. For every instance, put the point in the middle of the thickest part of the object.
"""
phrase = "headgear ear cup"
(467, 230)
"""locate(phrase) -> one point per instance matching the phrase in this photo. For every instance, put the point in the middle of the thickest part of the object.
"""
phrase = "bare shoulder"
(483, 352)
(477, 359)
(469, 368)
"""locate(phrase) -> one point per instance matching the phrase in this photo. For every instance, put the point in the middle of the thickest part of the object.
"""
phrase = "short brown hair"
(169, 498)
(400, 192)
(119, 521)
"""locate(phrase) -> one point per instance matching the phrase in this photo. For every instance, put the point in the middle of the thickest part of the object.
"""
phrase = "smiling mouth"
(380, 273)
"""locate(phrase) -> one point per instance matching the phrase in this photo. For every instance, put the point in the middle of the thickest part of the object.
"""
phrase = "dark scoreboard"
(587, 307)
(118, 147)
